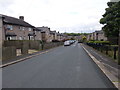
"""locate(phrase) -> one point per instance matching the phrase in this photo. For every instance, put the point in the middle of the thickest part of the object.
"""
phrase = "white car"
(67, 43)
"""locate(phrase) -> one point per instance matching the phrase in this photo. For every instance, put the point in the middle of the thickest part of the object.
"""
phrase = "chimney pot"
(21, 18)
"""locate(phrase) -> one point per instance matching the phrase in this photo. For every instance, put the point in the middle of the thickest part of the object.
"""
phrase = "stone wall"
(19, 44)
(51, 45)
(8, 53)
(10, 47)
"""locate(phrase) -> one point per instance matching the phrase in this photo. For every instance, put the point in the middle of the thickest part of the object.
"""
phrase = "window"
(9, 27)
(20, 38)
(24, 38)
(23, 28)
(20, 28)
(30, 29)
(11, 38)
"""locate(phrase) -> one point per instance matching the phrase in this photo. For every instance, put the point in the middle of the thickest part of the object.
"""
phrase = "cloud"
(4, 6)
(63, 15)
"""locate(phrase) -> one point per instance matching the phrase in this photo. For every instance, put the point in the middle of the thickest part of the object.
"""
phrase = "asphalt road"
(62, 67)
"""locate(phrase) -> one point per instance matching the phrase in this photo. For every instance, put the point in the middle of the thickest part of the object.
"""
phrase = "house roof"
(43, 29)
(37, 29)
(15, 21)
(51, 32)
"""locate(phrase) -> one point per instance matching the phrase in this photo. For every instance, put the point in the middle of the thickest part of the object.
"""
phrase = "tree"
(111, 19)
(111, 22)
(84, 38)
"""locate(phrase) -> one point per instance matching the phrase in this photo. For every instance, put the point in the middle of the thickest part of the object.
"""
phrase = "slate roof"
(37, 29)
(51, 32)
(43, 29)
(15, 21)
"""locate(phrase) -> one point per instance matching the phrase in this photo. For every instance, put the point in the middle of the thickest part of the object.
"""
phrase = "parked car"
(72, 41)
(67, 43)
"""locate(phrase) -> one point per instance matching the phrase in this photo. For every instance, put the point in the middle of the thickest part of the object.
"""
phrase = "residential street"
(62, 67)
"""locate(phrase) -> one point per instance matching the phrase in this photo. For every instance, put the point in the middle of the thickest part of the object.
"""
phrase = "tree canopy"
(111, 19)
(76, 34)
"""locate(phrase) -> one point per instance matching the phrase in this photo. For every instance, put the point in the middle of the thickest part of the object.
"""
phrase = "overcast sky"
(61, 15)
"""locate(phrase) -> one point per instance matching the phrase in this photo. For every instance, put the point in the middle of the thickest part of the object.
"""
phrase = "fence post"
(106, 50)
(101, 48)
(115, 50)
(42, 45)
(119, 48)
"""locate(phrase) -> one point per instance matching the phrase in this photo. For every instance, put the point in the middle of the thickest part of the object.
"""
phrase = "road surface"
(62, 67)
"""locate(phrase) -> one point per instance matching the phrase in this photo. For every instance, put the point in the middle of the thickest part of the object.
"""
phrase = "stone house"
(38, 34)
(59, 36)
(17, 29)
(101, 36)
(45, 33)
(55, 35)
(89, 37)
(97, 35)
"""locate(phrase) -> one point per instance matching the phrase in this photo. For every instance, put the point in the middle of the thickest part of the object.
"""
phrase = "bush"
(99, 42)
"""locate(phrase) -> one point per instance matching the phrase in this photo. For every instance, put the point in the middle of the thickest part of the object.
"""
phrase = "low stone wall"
(10, 47)
(8, 53)
(35, 45)
(15, 43)
(51, 45)
(19, 44)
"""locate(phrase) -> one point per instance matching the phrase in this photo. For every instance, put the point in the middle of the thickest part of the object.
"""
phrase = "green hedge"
(98, 42)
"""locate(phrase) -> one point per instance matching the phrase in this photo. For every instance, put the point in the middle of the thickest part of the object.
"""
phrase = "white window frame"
(9, 27)
(23, 28)
(20, 28)
(20, 38)
(12, 38)
(30, 29)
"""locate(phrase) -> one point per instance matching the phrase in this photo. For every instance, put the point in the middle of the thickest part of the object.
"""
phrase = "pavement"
(22, 57)
(61, 67)
(110, 68)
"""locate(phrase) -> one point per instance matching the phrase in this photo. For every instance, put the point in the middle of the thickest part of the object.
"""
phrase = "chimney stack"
(21, 18)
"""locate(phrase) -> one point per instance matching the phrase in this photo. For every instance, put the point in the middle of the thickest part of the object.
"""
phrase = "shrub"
(99, 42)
